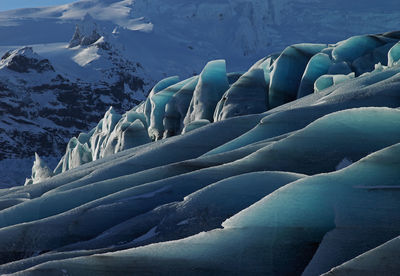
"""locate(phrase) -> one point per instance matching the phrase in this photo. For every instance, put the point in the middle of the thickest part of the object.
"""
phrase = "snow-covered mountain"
(57, 80)
(291, 168)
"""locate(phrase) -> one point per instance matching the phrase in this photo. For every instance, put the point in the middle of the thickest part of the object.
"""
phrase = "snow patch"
(150, 234)
(87, 56)
(343, 164)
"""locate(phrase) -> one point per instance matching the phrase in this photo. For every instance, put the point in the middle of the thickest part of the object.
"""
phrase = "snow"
(86, 56)
(182, 50)
(343, 164)
(168, 104)
(152, 233)
(195, 125)
(86, 33)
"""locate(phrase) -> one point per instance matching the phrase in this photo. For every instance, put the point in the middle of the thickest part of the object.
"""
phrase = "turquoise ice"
(213, 83)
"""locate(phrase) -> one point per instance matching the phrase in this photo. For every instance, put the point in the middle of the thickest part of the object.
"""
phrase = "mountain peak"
(86, 32)
(23, 60)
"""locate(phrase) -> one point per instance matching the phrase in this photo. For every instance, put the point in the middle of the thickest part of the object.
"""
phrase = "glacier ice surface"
(296, 218)
(356, 46)
(248, 95)
(40, 171)
(394, 54)
(212, 84)
(141, 206)
(161, 85)
(288, 70)
(177, 107)
(318, 65)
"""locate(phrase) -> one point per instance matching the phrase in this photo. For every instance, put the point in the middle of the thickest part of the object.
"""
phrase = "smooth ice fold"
(288, 71)
(195, 125)
(213, 83)
(382, 260)
(158, 104)
(248, 95)
(161, 85)
(129, 132)
(289, 222)
(356, 46)
(318, 65)
(394, 54)
(177, 107)
(326, 81)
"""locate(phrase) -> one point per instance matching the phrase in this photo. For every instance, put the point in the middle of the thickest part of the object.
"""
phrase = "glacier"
(118, 46)
(378, 261)
(297, 216)
(290, 167)
(212, 84)
(174, 107)
(245, 96)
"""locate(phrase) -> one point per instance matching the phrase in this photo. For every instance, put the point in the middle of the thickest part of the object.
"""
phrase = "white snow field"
(270, 171)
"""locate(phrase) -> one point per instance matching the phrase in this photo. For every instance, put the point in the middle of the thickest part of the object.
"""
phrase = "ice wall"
(173, 108)
(213, 83)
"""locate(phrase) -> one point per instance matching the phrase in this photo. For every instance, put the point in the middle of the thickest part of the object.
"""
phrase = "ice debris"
(40, 171)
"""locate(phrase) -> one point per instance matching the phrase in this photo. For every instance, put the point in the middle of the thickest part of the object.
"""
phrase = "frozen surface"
(394, 54)
(40, 171)
(355, 47)
(158, 104)
(161, 85)
(308, 204)
(194, 125)
(326, 81)
(239, 187)
(142, 41)
(213, 83)
(288, 71)
(382, 260)
(318, 65)
(248, 95)
(176, 107)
